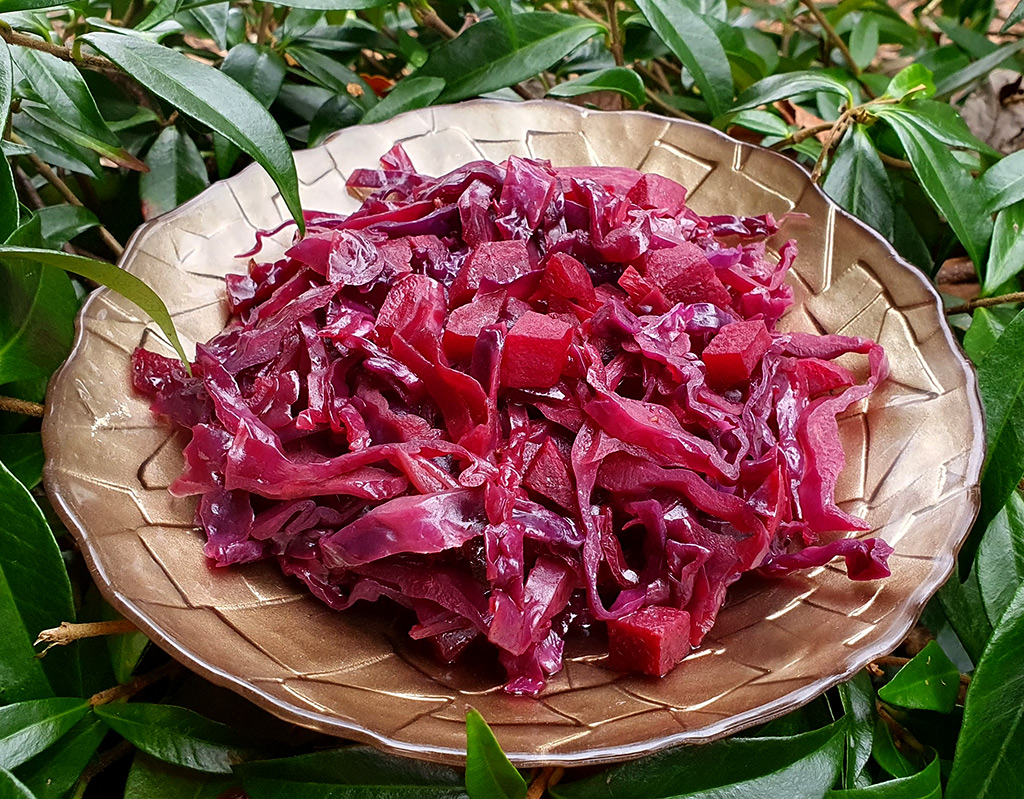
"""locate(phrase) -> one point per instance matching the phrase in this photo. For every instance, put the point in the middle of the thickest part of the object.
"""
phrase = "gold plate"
(914, 455)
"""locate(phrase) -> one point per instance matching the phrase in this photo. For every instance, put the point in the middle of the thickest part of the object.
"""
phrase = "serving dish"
(914, 453)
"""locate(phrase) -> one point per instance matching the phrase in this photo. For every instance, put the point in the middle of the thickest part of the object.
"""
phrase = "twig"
(64, 53)
(834, 136)
(616, 36)
(68, 632)
(896, 163)
(801, 135)
(31, 196)
(265, 19)
(662, 77)
(834, 37)
(102, 763)
(430, 18)
(651, 75)
(522, 92)
(986, 302)
(65, 191)
(665, 64)
(14, 405)
(546, 777)
(584, 11)
(889, 662)
(129, 689)
(668, 109)
(900, 732)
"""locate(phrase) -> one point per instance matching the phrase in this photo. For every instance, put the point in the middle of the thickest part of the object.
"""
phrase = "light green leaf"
(1006, 255)
(12, 788)
(976, 70)
(940, 120)
(1014, 17)
(179, 736)
(864, 40)
(1000, 563)
(28, 728)
(858, 698)
(987, 764)
(790, 84)
(213, 17)
(929, 681)
(489, 775)
(762, 122)
(54, 771)
(58, 224)
(694, 43)
(417, 91)
(335, 5)
(212, 98)
(9, 205)
(617, 79)
(176, 173)
(986, 328)
(923, 785)
(151, 779)
(857, 181)
(1003, 182)
(22, 454)
(913, 81)
(483, 59)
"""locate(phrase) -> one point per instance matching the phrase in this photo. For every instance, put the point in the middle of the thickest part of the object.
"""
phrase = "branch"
(986, 302)
(63, 53)
(68, 632)
(265, 19)
(429, 18)
(801, 135)
(546, 778)
(668, 109)
(131, 688)
(616, 36)
(838, 129)
(834, 37)
(14, 405)
(896, 163)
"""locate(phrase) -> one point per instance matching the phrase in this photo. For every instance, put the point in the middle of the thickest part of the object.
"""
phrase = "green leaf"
(886, 754)
(489, 775)
(762, 122)
(1006, 255)
(335, 76)
(335, 5)
(417, 91)
(213, 17)
(176, 173)
(946, 182)
(336, 113)
(858, 698)
(179, 736)
(1001, 382)
(986, 328)
(963, 607)
(12, 788)
(939, 120)
(790, 84)
(212, 98)
(54, 771)
(483, 59)
(9, 205)
(257, 69)
(1000, 564)
(1003, 182)
(913, 81)
(858, 182)
(804, 765)
(1015, 16)
(923, 785)
(58, 224)
(22, 454)
(502, 9)
(978, 69)
(987, 764)
(151, 779)
(864, 40)
(694, 43)
(27, 728)
(113, 277)
(929, 681)
(617, 79)
(50, 145)
(125, 650)
(35, 595)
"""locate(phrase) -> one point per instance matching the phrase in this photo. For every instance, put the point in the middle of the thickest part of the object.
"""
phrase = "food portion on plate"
(522, 402)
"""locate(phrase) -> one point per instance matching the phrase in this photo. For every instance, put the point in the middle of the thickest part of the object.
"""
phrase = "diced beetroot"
(465, 323)
(634, 284)
(652, 641)
(661, 193)
(415, 305)
(535, 351)
(500, 261)
(514, 308)
(567, 277)
(609, 291)
(735, 352)
(549, 476)
(822, 376)
(684, 274)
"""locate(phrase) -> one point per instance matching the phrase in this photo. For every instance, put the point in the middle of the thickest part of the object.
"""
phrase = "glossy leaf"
(946, 182)
(59, 224)
(939, 120)
(213, 17)
(35, 595)
(22, 454)
(336, 113)
(54, 771)
(28, 728)
(151, 779)
(857, 181)
(988, 763)
(502, 9)
(986, 328)
(124, 650)
(335, 76)
(1000, 563)
(176, 173)
(864, 40)
(257, 69)
(858, 698)
(178, 736)
(912, 81)
(1001, 382)
(212, 98)
(736, 768)
(483, 59)
(1006, 255)
(790, 84)
(1014, 17)
(617, 79)
(124, 283)
(9, 206)
(489, 775)
(696, 45)
(414, 92)
(886, 754)
(963, 607)
(925, 784)
(976, 70)
(929, 681)
(1003, 182)
(12, 788)
(335, 5)
(763, 122)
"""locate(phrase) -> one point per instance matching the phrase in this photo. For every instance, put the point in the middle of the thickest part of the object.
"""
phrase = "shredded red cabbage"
(518, 400)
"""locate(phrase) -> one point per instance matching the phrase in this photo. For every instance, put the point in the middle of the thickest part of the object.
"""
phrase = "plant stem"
(68, 632)
(103, 762)
(834, 37)
(896, 163)
(616, 35)
(63, 53)
(654, 77)
(668, 109)
(986, 302)
(546, 777)
(429, 17)
(14, 405)
(584, 11)
(801, 135)
(129, 689)
(31, 196)
(834, 136)
(266, 17)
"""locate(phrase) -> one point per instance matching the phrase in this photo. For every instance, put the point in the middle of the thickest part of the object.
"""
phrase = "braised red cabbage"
(516, 400)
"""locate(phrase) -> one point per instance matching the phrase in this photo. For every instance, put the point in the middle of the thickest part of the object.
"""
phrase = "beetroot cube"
(657, 192)
(549, 476)
(465, 323)
(823, 376)
(567, 277)
(634, 284)
(684, 274)
(735, 352)
(535, 351)
(499, 261)
(652, 641)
